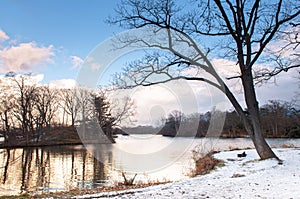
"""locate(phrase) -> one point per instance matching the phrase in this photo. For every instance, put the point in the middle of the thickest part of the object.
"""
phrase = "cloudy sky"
(52, 38)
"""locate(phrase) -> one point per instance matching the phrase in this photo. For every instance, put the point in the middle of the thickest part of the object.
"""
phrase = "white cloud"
(226, 68)
(37, 79)
(63, 83)
(283, 87)
(3, 36)
(28, 80)
(76, 61)
(156, 102)
(25, 56)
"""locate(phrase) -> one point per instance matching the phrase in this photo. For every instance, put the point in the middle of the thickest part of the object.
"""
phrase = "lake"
(151, 157)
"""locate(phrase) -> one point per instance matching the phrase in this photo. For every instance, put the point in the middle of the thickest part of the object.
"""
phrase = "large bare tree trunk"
(254, 129)
(251, 117)
(262, 147)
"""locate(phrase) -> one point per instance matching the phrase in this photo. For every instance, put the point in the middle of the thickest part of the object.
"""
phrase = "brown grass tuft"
(206, 164)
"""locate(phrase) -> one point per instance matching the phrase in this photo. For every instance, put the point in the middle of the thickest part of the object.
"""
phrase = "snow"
(240, 178)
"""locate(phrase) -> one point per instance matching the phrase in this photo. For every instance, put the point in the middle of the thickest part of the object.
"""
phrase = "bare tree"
(110, 113)
(46, 107)
(24, 104)
(232, 125)
(280, 119)
(69, 103)
(121, 110)
(6, 107)
(85, 102)
(246, 28)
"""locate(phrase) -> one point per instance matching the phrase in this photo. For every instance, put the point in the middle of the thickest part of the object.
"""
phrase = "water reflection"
(49, 169)
(67, 167)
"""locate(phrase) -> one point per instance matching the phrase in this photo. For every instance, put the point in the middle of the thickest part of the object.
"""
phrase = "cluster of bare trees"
(278, 119)
(28, 110)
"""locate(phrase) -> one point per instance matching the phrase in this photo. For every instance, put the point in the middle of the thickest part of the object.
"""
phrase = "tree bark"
(254, 128)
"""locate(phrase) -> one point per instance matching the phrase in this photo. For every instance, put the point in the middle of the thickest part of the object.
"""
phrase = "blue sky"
(70, 28)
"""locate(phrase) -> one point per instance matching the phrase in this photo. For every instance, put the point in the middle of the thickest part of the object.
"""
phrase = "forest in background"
(35, 114)
(279, 120)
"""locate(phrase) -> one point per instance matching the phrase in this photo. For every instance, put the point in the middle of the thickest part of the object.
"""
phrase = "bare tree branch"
(248, 26)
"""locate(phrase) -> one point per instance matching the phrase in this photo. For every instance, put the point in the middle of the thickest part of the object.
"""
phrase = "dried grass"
(204, 160)
(206, 164)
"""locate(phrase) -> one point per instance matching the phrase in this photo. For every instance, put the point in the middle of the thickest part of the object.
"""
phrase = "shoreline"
(249, 177)
(79, 142)
(246, 177)
(37, 145)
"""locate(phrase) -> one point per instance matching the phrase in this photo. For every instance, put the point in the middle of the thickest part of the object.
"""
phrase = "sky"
(60, 33)
(52, 38)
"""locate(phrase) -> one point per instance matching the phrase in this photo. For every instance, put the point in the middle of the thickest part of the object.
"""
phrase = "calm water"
(151, 157)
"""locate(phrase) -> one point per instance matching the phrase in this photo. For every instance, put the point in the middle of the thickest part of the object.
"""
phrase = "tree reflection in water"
(68, 167)
(49, 169)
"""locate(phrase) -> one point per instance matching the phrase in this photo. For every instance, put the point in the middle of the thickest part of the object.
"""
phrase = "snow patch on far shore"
(240, 178)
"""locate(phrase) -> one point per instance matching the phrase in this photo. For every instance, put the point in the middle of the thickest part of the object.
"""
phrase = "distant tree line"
(29, 112)
(279, 120)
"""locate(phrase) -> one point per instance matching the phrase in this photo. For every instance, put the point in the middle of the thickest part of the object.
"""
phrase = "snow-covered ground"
(239, 178)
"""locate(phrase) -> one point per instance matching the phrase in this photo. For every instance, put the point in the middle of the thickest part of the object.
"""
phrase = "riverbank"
(240, 178)
(245, 177)
(57, 136)
(32, 169)
(67, 135)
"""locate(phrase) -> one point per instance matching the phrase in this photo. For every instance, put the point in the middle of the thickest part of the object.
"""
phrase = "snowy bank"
(239, 178)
